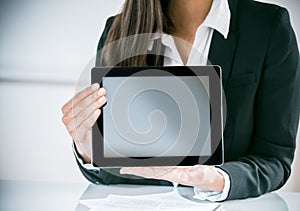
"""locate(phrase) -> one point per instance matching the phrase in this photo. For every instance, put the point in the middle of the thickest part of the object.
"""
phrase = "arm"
(267, 165)
(97, 175)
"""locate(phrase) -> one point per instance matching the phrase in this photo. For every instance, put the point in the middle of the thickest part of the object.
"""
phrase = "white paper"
(162, 201)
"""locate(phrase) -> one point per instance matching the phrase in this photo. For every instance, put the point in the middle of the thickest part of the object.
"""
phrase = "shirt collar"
(218, 19)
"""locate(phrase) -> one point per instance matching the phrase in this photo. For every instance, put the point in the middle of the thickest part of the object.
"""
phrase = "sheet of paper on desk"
(163, 201)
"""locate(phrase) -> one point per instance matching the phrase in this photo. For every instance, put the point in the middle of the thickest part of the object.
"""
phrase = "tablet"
(159, 116)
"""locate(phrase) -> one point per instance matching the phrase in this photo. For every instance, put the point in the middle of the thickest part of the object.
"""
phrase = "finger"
(84, 114)
(86, 102)
(72, 123)
(129, 170)
(86, 125)
(191, 176)
(78, 97)
(180, 176)
(147, 172)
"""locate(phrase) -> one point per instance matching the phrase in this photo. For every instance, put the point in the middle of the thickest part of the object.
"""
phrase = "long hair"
(137, 17)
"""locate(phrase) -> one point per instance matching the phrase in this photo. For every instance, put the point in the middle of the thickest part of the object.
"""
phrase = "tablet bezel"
(215, 89)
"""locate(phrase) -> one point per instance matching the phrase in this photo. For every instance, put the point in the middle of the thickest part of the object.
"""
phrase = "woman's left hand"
(201, 176)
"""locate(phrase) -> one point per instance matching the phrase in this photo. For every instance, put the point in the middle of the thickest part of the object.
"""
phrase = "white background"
(44, 45)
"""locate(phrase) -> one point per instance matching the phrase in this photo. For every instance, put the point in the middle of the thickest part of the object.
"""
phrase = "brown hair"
(137, 17)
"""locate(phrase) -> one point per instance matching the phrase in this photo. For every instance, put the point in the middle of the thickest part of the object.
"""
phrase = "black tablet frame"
(215, 83)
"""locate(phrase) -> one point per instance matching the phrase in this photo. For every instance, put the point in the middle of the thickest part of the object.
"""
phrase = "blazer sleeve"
(111, 175)
(267, 166)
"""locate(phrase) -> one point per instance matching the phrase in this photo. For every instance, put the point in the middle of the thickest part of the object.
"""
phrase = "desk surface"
(21, 195)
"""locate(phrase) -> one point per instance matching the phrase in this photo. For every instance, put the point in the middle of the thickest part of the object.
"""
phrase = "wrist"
(213, 179)
(220, 181)
(84, 156)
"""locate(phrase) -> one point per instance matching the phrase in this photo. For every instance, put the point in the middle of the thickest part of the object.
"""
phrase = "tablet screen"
(156, 116)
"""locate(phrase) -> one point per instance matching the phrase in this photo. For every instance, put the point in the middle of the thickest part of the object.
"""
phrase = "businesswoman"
(255, 45)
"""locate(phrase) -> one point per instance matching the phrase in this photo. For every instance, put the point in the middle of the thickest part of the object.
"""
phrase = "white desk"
(44, 196)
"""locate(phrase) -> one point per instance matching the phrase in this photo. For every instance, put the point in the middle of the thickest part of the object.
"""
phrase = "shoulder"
(257, 21)
(108, 24)
(110, 21)
(260, 8)
(104, 34)
(260, 13)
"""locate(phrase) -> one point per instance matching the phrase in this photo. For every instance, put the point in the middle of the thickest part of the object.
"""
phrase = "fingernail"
(122, 171)
(102, 100)
(100, 92)
(95, 86)
(97, 112)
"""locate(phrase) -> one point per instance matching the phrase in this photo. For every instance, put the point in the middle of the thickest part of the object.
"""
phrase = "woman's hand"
(80, 114)
(201, 176)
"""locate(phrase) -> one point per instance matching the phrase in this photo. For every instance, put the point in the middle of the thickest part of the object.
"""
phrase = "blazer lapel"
(222, 50)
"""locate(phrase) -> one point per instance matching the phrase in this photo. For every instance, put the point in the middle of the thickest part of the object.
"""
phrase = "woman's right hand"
(80, 114)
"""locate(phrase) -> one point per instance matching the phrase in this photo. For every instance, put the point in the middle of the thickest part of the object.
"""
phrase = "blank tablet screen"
(156, 116)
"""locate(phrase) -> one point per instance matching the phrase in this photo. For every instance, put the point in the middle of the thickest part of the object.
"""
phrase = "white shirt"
(218, 19)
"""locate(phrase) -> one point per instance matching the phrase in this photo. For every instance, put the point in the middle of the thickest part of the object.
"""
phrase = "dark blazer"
(261, 79)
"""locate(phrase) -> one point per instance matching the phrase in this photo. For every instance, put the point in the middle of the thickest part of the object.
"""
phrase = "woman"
(255, 45)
